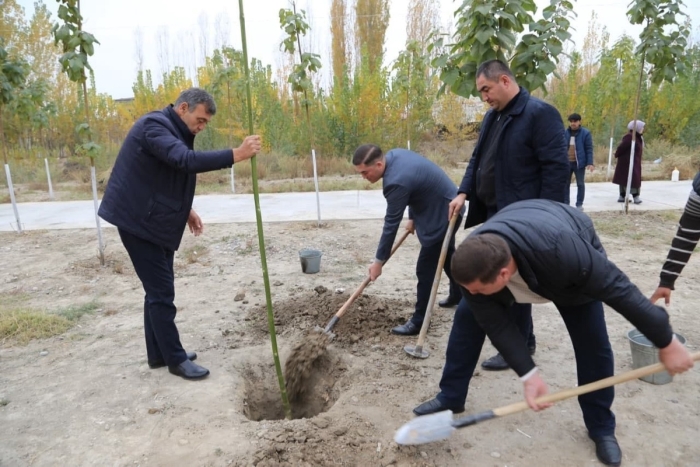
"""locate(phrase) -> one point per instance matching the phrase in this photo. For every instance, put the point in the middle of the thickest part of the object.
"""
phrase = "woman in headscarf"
(622, 154)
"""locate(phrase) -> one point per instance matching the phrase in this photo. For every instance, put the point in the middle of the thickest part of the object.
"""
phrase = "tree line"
(369, 98)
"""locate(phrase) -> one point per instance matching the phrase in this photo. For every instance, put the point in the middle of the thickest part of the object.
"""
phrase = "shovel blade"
(426, 429)
(320, 329)
(416, 351)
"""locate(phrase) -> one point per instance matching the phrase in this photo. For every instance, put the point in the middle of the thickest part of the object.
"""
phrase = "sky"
(120, 25)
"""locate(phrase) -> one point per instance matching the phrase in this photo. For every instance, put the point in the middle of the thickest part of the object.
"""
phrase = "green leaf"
(484, 34)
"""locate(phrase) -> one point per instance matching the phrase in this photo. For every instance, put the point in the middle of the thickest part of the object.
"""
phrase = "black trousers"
(154, 266)
(594, 360)
(426, 267)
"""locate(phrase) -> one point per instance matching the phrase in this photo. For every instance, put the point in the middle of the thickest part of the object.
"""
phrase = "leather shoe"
(189, 370)
(408, 329)
(433, 406)
(155, 364)
(449, 302)
(495, 363)
(607, 450)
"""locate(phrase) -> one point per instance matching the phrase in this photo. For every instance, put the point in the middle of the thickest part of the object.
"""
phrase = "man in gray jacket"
(410, 180)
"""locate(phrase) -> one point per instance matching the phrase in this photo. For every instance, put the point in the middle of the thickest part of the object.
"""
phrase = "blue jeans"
(580, 185)
(594, 360)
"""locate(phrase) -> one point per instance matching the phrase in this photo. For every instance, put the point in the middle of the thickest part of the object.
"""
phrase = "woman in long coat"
(622, 154)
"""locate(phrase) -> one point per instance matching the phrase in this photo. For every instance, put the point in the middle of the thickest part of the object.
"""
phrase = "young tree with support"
(77, 46)
(662, 46)
(13, 76)
(295, 25)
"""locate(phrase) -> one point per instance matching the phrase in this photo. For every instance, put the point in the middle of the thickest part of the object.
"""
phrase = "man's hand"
(456, 205)
(375, 270)
(675, 357)
(661, 292)
(248, 148)
(195, 223)
(591, 168)
(410, 226)
(535, 387)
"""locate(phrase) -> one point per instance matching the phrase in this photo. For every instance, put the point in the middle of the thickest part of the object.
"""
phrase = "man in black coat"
(149, 199)
(521, 154)
(414, 182)
(540, 251)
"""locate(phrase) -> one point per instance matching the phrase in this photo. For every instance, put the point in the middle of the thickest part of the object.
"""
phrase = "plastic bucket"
(644, 353)
(310, 261)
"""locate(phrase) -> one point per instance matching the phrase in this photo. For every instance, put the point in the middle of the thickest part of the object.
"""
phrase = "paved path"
(283, 207)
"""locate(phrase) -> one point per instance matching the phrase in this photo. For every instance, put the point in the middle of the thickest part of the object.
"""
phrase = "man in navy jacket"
(410, 180)
(149, 199)
(580, 156)
(539, 251)
(520, 154)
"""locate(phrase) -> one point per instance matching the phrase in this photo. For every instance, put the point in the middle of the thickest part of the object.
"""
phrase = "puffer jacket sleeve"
(593, 275)
(164, 145)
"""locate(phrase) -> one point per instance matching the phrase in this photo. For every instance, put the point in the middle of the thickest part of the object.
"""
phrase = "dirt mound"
(369, 317)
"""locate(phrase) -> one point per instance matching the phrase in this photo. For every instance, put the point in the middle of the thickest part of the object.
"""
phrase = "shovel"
(334, 320)
(441, 425)
(417, 350)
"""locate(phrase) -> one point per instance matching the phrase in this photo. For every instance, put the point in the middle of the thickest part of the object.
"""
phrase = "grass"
(20, 324)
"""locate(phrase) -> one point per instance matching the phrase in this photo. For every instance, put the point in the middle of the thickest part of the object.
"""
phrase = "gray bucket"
(644, 353)
(310, 260)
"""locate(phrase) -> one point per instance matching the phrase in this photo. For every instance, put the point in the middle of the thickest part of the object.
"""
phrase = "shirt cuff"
(528, 375)
(380, 261)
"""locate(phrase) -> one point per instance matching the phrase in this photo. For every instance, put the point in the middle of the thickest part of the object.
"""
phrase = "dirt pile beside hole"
(369, 317)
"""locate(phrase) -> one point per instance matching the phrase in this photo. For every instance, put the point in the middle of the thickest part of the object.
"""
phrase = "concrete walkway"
(335, 205)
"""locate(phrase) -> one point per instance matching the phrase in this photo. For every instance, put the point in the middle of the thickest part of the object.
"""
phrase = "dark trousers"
(426, 267)
(633, 191)
(594, 360)
(580, 175)
(154, 266)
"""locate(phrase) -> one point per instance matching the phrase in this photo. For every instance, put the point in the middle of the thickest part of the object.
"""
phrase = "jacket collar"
(523, 97)
(185, 132)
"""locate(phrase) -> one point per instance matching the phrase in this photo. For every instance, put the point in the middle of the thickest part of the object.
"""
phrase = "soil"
(87, 397)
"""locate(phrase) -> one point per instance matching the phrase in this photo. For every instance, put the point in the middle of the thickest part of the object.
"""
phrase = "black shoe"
(449, 302)
(189, 370)
(155, 364)
(433, 406)
(495, 363)
(607, 450)
(408, 329)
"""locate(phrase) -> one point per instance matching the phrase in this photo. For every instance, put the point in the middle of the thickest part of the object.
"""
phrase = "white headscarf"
(640, 125)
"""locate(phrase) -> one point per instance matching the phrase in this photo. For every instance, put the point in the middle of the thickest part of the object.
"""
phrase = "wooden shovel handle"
(366, 282)
(436, 282)
(586, 388)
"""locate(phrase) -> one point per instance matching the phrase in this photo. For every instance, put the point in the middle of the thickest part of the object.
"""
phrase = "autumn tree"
(339, 44)
(371, 23)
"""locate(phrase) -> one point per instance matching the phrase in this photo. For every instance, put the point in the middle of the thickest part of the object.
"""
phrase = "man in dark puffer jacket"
(539, 251)
(149, 199)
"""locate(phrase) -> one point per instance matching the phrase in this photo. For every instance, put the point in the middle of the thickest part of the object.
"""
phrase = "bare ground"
(88, 397)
